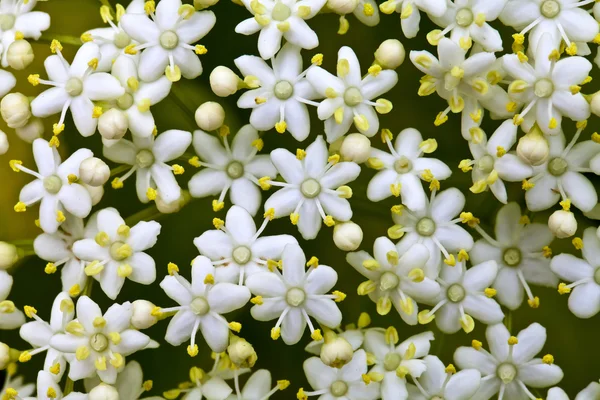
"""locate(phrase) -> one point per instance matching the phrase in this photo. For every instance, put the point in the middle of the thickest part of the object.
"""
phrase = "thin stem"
(68, 386)
(119, 169)
(64, 39)
(440, 343)
(88, 288)
(147, 214)
(508, 321)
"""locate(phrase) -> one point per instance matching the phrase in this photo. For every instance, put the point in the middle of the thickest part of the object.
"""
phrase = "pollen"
(257, 300)
(209, 279)
(275, 333)
(317, 59)
(563, 288)
(490, 292)
(24, 356)
(339, 296)
(534, 303)
(424, 317)
(374, 70)
(577, 243)
(450, 369)
(451, 261)
(329, 221)
(117, 183)
(75, 290)
(60, 217)
(172, 268)
(192, 350)
(29, 311)
(55, 46)
(217, 205)
(34, 79)
(316, 335)
(50, 268)
(300, 154)
(313, 262)
(20, 207)
(294, 217)
(548, 359)
(463, 255)
(235, 326)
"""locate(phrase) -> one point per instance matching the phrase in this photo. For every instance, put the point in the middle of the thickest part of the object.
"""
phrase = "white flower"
(281, 19)
(445, 383)
(395, 361)
(99, 342)
(519, 251)
(236, 169)
(467, 22)
(48, 388)
(590, 392)
(313, 189)
(403, 169)
(366, 11)
(560, 19)
(349, 97)
(39, 332)
(10, 316)
(282, 94)
(343, 383)
(75, 87)
(166, 39)
(561, 176)
(236, 248)
(548, 87)
(7, 82)
(492, 163)
(584, 302)
(130, 383)
(510, 365)
(201, 304)
(16, 383)
(117, 252)
(17, 16)
(148, 157)
(394, 278)
(293, 296)
(410, 15)
(258, 387)
(434, 227)
(464, 295)
(113, 41)
(55, 186)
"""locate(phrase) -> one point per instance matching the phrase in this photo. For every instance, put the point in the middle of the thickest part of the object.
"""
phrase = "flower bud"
(533, 148)
(141, 317)
(103, 392)
(202, 4)
(347, 236)
(96, 193)
(15, 110)
(336, 351)
(342, 7)
(223, 81)
(4, 356)
(562, 224)
(9, 255)
(595, 104)
(113, 124)
(94, 171)
(32, 130)
(19, 54)
(390, 54)
(210, 116)
(174, 206)
(3, 143)
(241, 353)
(355, 147)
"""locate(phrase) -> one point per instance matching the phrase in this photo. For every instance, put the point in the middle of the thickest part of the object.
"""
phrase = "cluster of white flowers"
(435, 262)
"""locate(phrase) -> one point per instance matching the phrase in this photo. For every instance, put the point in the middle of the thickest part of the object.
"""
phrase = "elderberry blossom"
(18, 20)
(10, 316)
(444, 382)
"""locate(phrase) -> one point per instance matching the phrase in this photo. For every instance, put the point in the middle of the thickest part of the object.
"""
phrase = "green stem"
(176, 96)
(508, 321)
(68, 386)
(119, 169)
(147, 214)
(22, 242)
(64, 39)
(441, 338)
(88, 288)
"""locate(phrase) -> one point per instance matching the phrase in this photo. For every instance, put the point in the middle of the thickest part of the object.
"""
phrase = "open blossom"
(130, 383)
(349, 97)
(17, 383)
(591, 391)
(10, 316)
(55, 186)
(75, 87)
(258, 387)
(236, 248)
(48, 387)
(410, 12)
(17, 16)
(166, 39)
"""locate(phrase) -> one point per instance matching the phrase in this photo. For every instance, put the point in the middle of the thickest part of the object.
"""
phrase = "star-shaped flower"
(410, 12)
(18, 17)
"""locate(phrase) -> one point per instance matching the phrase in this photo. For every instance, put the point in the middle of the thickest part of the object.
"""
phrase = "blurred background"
(572, 341)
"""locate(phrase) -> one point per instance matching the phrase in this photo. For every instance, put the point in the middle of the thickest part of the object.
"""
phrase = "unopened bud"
(3, 143)
(241, 353)
(223, 81)
(94, 171)
(19, 54)
(355, 147)
(390, 54)
(9, 255)
(562, 224)
(347, 236)
(32, 130)
(174, 206)
(342, 7)
(533, 148)
(96, 193)
(113, 124)
(4, 356)
(210, 116)
(141, 317)
(15, 110)
(336, 351)
(103, 392)
(202, 4)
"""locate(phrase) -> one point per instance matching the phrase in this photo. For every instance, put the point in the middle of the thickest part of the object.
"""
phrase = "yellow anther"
(130, 49)
(75, 290)
(301, 395)
(463, 255)
(456, 103)
(144, 105)
(493, 77)
(384, 305)
(116, 183)
(102, 239)
(345, 192)
(105, 14)
(565, 204)
(19, 35)
(428, 146)
(51, 393)
(571, 49)
(55, 46)
(24, 356)
(264, 182)
(553, 123)
(427, 175)
(467, 323)
(34, 79)
(124, 270)
(371, 265)
(317, 59)
(519, 38)
(361, 122)
(275, 333)
(524, 220)
(563, 288)
(395, 232)
(304, 11)
(200, 49)
(534, 303)
(577, 243)
(99, 322)
(173, 73)
(407, 10)
(434, 36)
(581, 124)
(427, 88)
(407, 305)
(522, 57)
(55, 369)
(477, 134)
(330, 93)
(517, 86)
(366, 287)
(93, 63)
(7, 307)
(50, 268)
(424, 317)
(575, 89)
(294, 217)
(218, 223)
(300, 154)
(156, 312)
(60, 217)
(382, 106)
(375, 163)
(172, 268)
(329, 221)
(20, 207)
(480, 19)
(402, 371)
(283, 26)
(374, 70)
(450, 369)
(492, 177)
(391, 335)
(235, 326)
(451, 260)
(397, 209)
(283, 384)
(393, 257)
(596, 137)
(395, 189)
(490, 292)
(587, 80)
(209, 279)
(186, 11)
(149, 7)
(147, 385)
(171, 394)
(339, 296)
(469, 218)
(258, 144)
(115, 337)
(364, 320)
(269, 214)
(257, 300)
(500, 151)
(316, 335)
(465, 43)
(82, 353)
(14, 165)
(513, 340)
(257, 7)
(416, 275)
(526, 185)
(343, 68)
(100, 363)
(29, 311)
(117, 360)
(440, 119)
(548, 359)
(547, 251)
(479, 186)
(262, 20)
(313, 262)
(368, 9)
(457, 72)
(338, 115)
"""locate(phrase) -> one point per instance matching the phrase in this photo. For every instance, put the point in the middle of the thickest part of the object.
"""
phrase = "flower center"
(241, 255)
(121, 40)
(281, 12)
(98, 342)
(597, 275)
(295, 297)
(506, 372)
(426, 227)
(74, 87)
(543, 88)
(388, 281)
(199, 306)
(391, 362)
(120, 251)
(402, 165)
(7, 21)
(125, 102)
(339, 388)
(235, 169)
(144, 158)
(550, 8)
(456, 293)
(352, 97)
(464, 17)
(310, 188)
(486, 163)
(557, 166)
(168, 40)
(283, 90)
(52, 184)
(512, 257)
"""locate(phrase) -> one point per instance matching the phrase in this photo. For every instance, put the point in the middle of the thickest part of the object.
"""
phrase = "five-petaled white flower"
(283, 92)
(409, 10)
(509, 367)
(295, 295)
(166, 39)
(313, 189)
(117, 252)
(99, 342)
(17, 383)
(18, 19)
(349, 97)
(258, 387)
(591, 391)
(130, 383)
(75, 87)
(236, 249)
(49, 388)
(236, 169)
(10, 316)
